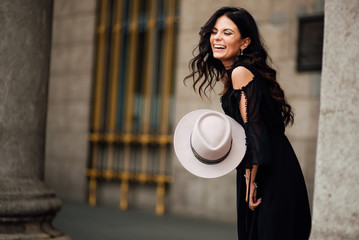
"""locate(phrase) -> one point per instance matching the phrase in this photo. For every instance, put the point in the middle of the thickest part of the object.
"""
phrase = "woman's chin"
(218, 57)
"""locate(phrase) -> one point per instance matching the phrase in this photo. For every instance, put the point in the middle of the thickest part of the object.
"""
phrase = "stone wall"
(70, 92)
(72, 55)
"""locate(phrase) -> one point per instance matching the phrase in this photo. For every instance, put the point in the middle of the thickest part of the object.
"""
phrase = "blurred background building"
(116, 93)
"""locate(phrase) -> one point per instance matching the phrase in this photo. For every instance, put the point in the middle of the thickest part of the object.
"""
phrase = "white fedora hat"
(208, 143)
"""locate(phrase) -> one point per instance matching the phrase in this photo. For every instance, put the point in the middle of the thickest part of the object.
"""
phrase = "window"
(310, 43)
(130, 136)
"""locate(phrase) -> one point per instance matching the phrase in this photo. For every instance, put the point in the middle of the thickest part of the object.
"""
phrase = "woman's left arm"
(253, 202)
(256, 134)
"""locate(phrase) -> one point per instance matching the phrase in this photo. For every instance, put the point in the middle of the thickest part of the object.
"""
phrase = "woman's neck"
(227, 64)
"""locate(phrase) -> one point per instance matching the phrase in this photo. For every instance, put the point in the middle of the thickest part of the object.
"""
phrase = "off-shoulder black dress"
(284, 212)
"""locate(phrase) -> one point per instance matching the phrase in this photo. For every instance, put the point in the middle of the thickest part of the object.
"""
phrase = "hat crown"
(211, 136)
(211, 129)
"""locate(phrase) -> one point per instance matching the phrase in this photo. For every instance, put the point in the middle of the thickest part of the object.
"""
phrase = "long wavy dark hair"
(206, 70)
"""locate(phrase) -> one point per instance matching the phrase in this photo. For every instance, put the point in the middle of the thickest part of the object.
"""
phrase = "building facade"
(142, 182)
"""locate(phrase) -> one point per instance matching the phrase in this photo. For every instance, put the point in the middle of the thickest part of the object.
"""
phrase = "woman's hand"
(253, 201)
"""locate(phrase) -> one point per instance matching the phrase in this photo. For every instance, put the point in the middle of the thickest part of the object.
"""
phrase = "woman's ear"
(245, 42)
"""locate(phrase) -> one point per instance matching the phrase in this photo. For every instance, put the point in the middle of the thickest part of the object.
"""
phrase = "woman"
(272, 201)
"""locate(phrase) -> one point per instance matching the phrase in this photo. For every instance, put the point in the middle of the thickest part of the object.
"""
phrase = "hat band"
(208, 161)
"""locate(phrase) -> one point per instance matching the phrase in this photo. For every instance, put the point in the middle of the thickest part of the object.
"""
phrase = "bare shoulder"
(241, 76)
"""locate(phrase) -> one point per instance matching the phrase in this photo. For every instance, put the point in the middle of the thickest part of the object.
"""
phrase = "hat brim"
(185, 155)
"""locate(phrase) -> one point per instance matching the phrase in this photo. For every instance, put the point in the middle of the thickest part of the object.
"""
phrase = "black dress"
(284, 212)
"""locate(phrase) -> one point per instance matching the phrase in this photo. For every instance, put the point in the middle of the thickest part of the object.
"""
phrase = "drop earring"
(241, 51)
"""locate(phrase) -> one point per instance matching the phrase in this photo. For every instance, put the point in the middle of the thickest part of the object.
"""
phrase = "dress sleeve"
(248, 100)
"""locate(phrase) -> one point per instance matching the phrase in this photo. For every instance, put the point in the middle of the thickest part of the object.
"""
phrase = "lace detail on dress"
(244, 97)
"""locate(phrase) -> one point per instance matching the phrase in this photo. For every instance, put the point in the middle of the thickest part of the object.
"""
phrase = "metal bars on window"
(130, 136)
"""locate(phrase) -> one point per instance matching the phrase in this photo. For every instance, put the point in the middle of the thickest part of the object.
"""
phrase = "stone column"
(336, 190)
(27, 206)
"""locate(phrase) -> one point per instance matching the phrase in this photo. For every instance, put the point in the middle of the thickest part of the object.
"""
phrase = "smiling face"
(226, 41)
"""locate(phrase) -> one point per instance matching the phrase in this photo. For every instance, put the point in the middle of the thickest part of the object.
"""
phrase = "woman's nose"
(218, 36)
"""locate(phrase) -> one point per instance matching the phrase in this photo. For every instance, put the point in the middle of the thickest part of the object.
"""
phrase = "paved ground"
(83, 222)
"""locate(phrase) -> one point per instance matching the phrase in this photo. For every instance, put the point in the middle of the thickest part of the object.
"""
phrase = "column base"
(29, 228)
(31, 237)
(27, 209)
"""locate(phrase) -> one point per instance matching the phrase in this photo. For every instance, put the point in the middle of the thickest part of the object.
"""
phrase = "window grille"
(130, 136)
